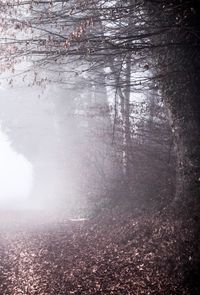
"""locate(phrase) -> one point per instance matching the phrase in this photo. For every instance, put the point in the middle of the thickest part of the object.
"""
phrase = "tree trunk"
(180, 67)
(177, 58)
(126, 123)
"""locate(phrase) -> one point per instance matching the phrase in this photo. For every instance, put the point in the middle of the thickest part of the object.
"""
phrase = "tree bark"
(126, 122)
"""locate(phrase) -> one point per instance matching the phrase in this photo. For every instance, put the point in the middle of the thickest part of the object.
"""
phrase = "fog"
(49, 147)
(16, 175)
(30, 148)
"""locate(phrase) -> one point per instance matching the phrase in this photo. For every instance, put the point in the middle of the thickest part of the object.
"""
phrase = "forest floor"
(114, 253)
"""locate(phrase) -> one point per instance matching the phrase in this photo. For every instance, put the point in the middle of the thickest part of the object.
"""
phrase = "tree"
(100, 32)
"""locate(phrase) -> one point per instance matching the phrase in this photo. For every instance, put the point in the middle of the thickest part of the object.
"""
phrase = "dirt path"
(102, 256)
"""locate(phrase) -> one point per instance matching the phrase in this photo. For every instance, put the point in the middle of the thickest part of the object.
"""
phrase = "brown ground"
(116, 253)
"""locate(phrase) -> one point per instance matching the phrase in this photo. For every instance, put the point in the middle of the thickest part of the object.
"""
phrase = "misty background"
(50, 147)
(62, 144)
(86, 123)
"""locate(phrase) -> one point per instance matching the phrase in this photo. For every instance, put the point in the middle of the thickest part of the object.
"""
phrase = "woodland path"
(106, 255)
